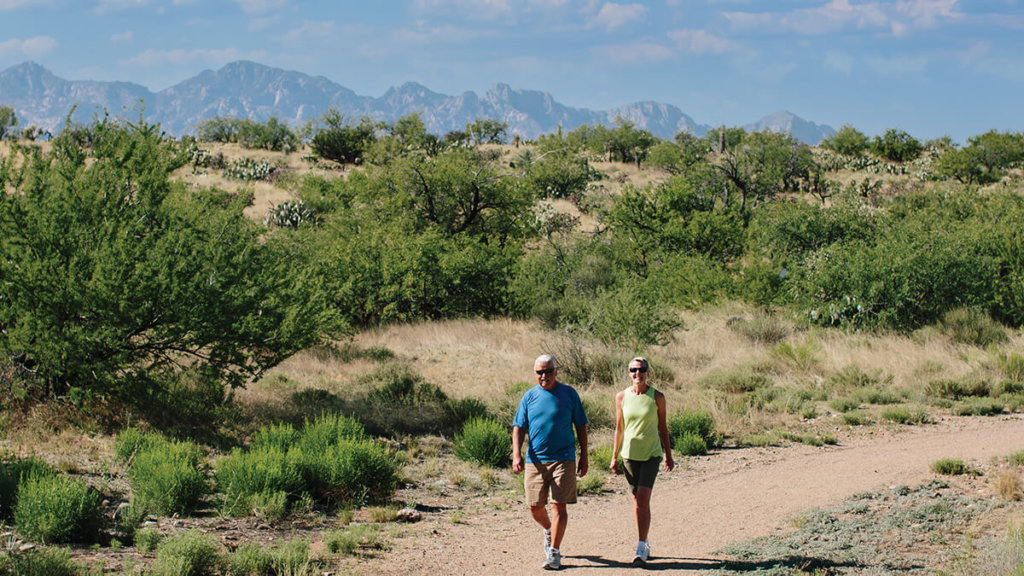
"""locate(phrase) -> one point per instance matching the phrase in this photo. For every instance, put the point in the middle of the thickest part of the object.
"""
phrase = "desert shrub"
(349, 539)
(277, 436)
(809, 438)
(291, 215)
(166, 479)
(735, 380)
(850, 377)
(972, 326)
(689, 444)
(696, 423)
(1012, 366)
(949, 466)
(905, 415)
(581, 365)
(248, 170)
(132, 440)
(57, 509)
(191, 553)
(359, 472)
(856, 418)
(328, 430)
(599, 409)
(458, 412)
(978, 407)
(290, 559)
(1017, 458)
(844, 404)
(13, 471)
(1008, 485)
(956, 389)
(402, 402)
(147, 539)
(40, 562)
(601, 457)
(485, 442)
(592, 483)
(243, 474)
(761, 328)
(897, 146)
(874, 396)
(801, 356)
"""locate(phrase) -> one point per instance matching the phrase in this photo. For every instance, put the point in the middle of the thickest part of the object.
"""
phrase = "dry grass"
(1008, 485)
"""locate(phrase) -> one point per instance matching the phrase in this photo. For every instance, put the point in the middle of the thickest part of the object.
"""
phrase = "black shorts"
(640, 472)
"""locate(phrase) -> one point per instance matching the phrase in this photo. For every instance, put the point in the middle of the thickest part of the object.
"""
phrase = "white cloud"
(122, 38)
(104, 6)
(700, 42)
(635, 53)
(15, 4)
(899, 66)
(896, 17)
(613, 16)
(260, 6)
(446, 34)
(182, 57)
(311, 31)
(34, 47)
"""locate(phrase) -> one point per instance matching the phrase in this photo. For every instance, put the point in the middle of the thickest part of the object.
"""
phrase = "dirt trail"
(729, 497)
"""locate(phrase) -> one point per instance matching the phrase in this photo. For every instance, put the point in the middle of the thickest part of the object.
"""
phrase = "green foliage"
(856, 418)
(57, 509)
(131, 441)
(351, 538)
(115, 276)
(270, 135)
(8, 121)
(290, 559)
(761, 167)
(592, 483)
(1017, 458)
(735, 380)
(978, 407)
(555, 174)
(803, 356)
(1011, 365)
(249, 170)
(41, 562)
(147, 539)
(905, 415)
(14, 471)
(166, 479)
(972, 326)
(485, 442)
(191, 553)
(341, 141)
(601, 457)
(330, 459)
(686, 428)
(487, 131)
(897, 146)
(761, 328)
(949, 467)
(847, 141)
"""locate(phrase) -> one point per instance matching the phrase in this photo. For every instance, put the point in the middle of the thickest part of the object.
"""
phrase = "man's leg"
(561, 520)
(540, 514)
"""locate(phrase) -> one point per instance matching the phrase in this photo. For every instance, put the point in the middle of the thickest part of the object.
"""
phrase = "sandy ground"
(727, 497)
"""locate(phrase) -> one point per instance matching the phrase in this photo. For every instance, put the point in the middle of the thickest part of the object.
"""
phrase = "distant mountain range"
(250, 90)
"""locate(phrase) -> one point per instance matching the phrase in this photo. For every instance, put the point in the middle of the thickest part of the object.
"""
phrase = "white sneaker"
(553, 560)
(547, 541)
(643, 552)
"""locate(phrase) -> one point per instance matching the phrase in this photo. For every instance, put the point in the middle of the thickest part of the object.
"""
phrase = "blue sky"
(930, 67)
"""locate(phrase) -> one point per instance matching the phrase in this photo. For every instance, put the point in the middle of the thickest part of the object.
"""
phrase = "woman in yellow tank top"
(641, 436)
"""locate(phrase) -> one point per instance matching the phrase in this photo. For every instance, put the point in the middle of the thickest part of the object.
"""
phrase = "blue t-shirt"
(548, 417)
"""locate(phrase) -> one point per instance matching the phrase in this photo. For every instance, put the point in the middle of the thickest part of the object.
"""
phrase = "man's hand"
(517, 463)
(583, 465)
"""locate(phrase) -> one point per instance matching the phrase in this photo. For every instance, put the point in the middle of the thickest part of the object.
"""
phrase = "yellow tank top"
(640, 439)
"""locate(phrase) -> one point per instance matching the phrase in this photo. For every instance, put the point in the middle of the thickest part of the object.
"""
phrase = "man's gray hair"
(545, 358)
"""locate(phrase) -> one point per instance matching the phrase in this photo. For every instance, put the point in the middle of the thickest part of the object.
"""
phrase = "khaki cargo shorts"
(559, 478)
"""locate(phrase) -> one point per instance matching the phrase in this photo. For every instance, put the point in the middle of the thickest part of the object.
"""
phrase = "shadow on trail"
(663, 563)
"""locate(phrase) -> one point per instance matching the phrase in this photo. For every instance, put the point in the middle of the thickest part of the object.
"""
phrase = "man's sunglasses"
(641, 370)
(545, 372)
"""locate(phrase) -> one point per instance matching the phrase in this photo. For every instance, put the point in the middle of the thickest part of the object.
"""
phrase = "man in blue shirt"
(548, 413)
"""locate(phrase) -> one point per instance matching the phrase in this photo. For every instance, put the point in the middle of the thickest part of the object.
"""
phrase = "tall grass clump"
(166, 478)
(738, 380)
(485, 442)
(40, 562)
(765, 329)
(401, 402)
(12, 472)
(351, 538)
(1012, 366)
(972, 326)
(191, 553)
(1017, 458)
(330, 460)
(691, 432)
(803, 356)
(290, 559)
(58, 509)
(1008, 485)
(949, 466)
(905, 415)
(131, 441)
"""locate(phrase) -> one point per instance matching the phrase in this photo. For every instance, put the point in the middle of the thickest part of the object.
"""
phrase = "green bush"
(292, 558)
(765, 329)
(689, 444)
(275, 436)
(1012, 366)
(978, 407)
(844, 404)
(40, 562)
(132, 440)
(692, 423)
(973, 326)
(191, 553)
(736, 380)
(592, 483)
(57, 509)
(856, 418)
(905, 415)
(1017, 458)
(166, 479)
(328, 430)
(243, 474)
(485, 442)
(949, 466)
(147, 539)
(349, 539)
(13, 471)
